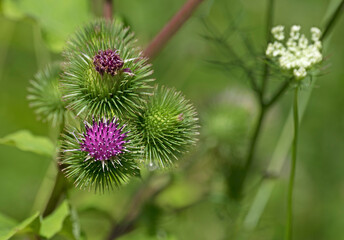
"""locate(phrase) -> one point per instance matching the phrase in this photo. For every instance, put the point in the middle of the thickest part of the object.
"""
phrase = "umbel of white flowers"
(297, 53)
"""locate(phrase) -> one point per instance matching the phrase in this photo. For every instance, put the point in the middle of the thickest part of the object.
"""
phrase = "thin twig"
(144, 194)
(221, 39)
(269, 22)
(252, 148)
(171, 28)
(284, 86)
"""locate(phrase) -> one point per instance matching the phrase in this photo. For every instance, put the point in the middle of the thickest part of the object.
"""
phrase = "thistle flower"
(45, 95)
(105, 74)
(100, 155)
(168, 125)
(297, 54)
(108, 62)
(103, 140)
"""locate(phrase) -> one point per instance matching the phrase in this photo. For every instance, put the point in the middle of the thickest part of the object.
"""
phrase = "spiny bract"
(45, 95)
(100, 155)
(105, 74)
(168, 126)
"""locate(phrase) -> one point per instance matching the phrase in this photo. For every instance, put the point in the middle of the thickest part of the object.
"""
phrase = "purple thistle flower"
(103, 140)
(107, 61)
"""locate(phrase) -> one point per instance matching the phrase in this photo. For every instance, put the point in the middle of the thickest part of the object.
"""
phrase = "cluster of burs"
(114, 120)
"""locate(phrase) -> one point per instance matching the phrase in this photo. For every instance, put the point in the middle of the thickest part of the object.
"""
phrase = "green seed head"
(157, 121)
(168, 127)
(45, 95)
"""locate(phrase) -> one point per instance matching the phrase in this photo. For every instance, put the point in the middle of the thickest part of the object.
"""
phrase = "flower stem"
(279, 92)
(60, 185)
(269, 21)
(59, 190)
(289, 229)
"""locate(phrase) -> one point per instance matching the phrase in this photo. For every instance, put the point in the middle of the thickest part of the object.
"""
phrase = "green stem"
(289, 229)
(332, 20)
(251, 151)
(284, 86)
(263, 194)
(60, 186)
(269, 20)
(263, 107)
(59, 191)
(254, 139)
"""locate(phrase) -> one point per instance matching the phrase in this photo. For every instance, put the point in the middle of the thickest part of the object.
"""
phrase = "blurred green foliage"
(32, 31)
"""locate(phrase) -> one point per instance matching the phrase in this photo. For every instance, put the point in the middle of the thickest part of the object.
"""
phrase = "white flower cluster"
(297, 53)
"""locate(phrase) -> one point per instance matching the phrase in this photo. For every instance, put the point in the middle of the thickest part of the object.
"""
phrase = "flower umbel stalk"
(289, 229)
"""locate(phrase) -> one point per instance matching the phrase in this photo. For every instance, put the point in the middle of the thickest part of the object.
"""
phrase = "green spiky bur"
(168, 126)
(86, 90)
(98, 175)
(45, 95)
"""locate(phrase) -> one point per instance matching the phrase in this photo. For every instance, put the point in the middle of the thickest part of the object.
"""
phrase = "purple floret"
(103, 140)
(107, 61)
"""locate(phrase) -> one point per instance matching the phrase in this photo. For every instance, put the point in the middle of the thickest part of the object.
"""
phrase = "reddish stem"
(171, 28)
(107, 10)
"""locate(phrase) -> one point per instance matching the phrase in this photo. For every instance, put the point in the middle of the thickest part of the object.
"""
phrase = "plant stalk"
(58, 192)
(289, 229)
(147, 192)
(332, 20)
(60, 185)
(171, 28)
(254, 139)
(265, 190)
(269, 21)
(263, 107)
(107, 10)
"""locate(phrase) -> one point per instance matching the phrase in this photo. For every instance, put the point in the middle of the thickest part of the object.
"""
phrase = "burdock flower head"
(168, 126)
(103, 140)
(108, 61)
(297, 54)
(45, 95)
(105, 73)
(100, 155)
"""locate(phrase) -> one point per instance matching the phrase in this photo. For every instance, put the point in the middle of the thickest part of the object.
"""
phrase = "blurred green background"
(31, 34)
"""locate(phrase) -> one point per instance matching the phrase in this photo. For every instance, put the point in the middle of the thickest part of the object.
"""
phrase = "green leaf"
(24, 140)
(71, 227)
(53, 224)
(9, 227)
(57, 19)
